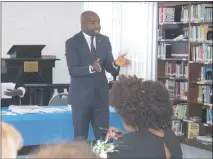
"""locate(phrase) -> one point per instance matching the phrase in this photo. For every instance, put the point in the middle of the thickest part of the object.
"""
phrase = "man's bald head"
(90, 23)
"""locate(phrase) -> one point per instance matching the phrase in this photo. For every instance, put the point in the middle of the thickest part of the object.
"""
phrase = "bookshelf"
(185, 67)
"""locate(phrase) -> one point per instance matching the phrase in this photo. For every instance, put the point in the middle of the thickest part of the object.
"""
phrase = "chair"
(60, 99)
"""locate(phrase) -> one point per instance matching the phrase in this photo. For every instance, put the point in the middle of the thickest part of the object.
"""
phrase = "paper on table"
(53, 110)
(4, 87)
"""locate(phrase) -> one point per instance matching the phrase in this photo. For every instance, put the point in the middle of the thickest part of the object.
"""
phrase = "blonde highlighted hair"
(11, 141)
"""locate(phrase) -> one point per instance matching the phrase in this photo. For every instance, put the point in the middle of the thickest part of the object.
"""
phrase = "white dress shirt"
(88, 40)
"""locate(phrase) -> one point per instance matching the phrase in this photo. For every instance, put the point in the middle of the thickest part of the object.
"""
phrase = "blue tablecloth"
(38, 129)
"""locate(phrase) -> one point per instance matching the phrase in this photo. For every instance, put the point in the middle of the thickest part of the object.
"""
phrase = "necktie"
(93, 50)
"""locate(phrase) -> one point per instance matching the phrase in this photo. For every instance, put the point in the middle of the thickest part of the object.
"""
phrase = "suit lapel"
(83, 45)
(84, 41)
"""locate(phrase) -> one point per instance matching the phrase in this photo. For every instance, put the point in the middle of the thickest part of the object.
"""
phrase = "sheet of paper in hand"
(4, 87)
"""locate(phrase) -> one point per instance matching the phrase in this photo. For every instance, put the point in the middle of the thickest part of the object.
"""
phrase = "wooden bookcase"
(188, 79)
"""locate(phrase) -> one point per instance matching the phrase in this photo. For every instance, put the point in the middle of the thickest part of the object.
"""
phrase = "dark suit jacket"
(79, 58)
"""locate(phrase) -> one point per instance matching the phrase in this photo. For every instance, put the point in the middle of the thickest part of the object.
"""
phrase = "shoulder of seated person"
(125, 138)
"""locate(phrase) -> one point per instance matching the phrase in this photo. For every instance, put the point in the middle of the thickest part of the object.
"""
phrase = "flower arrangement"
(101, 148)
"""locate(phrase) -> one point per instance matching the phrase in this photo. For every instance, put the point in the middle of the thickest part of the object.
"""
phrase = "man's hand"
(113, 133)
(15, 92)
(122, 61)
(96, 66)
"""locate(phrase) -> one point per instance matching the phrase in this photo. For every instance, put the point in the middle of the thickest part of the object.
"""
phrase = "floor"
(193, 152)
(189, 152)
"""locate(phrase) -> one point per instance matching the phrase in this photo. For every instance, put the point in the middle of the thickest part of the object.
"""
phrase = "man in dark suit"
(88, 56)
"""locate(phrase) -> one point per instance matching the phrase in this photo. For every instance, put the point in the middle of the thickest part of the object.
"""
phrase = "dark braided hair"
(142, 104)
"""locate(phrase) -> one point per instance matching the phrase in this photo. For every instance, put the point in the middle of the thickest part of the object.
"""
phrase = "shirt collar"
(87, 37)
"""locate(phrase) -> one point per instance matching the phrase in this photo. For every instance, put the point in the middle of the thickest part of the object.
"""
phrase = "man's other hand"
(15, 92)
(96, 66)
(122, 61)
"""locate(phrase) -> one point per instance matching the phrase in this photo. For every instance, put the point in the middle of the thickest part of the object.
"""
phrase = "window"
(131, 27)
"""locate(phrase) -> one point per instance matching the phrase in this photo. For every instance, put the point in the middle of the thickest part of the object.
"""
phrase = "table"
(38, 129)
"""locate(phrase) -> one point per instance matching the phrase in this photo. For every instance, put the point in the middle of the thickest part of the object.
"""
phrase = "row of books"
(179, 111)
(178, 49)
(201, 12)
(182, 128)
(190, 130)
(205, 94)
(206, 73)
(198, 12)
(176, 69)
(177, 89)
(202, 53)
(201, 32)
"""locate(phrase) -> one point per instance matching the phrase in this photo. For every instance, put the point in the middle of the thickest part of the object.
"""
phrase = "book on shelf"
(205, 95)
(181, 90)
(207, 116)
(185, 14)
(176, 69)
(186, 31)
(170, 85)
(193, 130)
(179, 111)
(177, 89)
(177, 127)
(201, 12)
(166, 15)
(206, 73)
(202, 32)
(202, 53)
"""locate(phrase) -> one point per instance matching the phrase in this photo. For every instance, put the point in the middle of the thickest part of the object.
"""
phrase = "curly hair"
(142, 104)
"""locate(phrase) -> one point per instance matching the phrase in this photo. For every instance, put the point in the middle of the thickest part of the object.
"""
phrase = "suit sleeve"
(108, 63)
(73, 62)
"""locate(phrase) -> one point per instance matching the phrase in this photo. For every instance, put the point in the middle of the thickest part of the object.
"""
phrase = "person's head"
(90, 23)
(11, 141)
(77, 149)
(141, 104)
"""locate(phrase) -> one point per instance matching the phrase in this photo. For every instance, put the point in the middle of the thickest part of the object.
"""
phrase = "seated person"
(11, 141)
(20, 90)
(147, 115)
(73, 150)
(13, 93)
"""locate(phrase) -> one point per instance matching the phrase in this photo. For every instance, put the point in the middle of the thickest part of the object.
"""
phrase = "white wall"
(49, 23)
